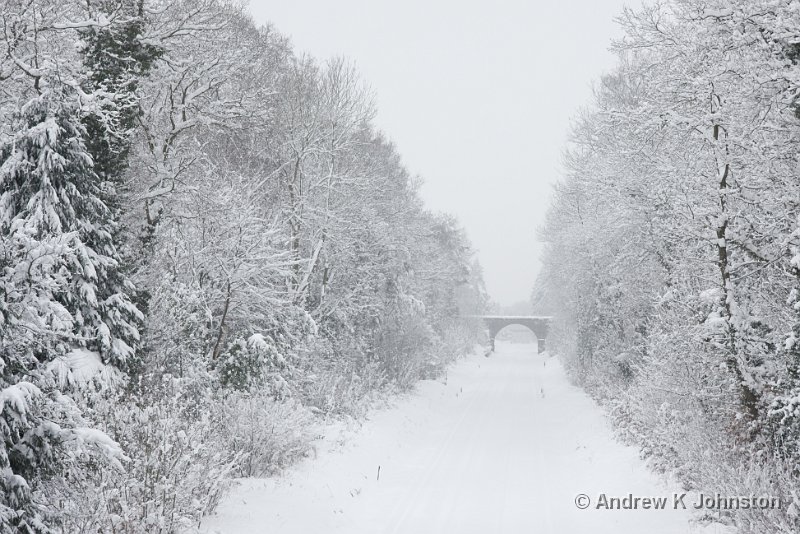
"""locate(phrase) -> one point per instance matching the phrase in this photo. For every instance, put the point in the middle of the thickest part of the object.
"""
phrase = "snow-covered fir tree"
(115, 58)
(66, 315)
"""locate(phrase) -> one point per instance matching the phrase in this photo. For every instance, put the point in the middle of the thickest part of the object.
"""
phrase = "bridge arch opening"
(516, 334)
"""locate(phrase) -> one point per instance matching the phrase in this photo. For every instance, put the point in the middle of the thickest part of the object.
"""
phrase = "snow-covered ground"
(504, 445)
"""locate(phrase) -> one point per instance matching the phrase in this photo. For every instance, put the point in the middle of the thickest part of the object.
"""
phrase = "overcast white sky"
(477, 95)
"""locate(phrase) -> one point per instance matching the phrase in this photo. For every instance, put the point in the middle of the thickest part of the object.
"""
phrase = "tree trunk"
(747, 396)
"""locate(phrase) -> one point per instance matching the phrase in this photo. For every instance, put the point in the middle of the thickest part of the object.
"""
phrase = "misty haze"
(354, 267)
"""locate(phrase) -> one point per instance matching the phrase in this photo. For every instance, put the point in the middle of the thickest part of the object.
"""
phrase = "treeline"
(205, 247)
(673, 247)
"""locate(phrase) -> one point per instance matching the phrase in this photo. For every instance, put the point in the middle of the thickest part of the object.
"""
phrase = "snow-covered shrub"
(177, 333)
(404, 341)
(176, 471)
(254, 363)
(784, 427)
(264, 434)
(342, 387)
(53, 443)
(456, 339)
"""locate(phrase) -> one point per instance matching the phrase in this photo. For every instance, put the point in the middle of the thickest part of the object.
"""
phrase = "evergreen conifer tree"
(66, 316)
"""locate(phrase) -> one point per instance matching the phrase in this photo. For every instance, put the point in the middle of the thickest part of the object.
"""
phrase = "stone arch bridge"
(535, 323)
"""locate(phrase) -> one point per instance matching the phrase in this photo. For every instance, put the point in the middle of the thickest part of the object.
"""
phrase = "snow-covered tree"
(115, 58)
(66, 313)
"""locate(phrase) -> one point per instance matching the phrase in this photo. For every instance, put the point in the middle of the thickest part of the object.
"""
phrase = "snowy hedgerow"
(285, 260)
(673, 240)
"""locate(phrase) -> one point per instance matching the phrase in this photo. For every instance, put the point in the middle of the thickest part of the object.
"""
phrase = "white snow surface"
(504, 445)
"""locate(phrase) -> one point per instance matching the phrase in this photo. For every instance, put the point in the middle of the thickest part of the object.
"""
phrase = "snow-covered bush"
(254, 364)
(176, 470)
(342, 387)
(177, 333)
(404, 341)
(264, 434)
(458, 338)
